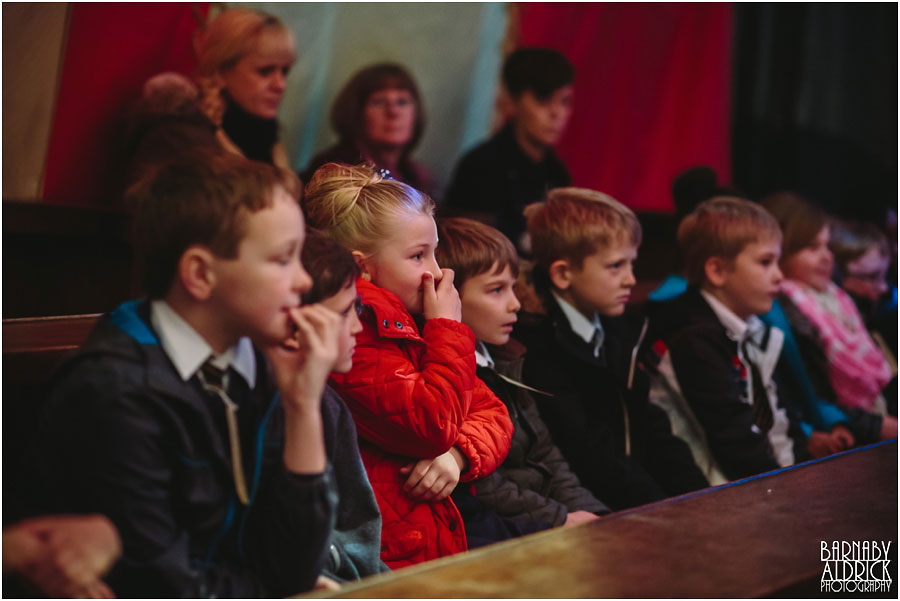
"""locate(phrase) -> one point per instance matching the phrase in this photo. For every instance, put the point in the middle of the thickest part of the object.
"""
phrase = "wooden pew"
(65, 260)
(32, 348)
(758, 537)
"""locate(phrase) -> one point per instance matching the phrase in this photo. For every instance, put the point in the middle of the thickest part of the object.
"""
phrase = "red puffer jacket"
(413, 397)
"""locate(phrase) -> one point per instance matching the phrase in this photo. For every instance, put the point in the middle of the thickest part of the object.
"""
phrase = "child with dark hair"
(534, 483)
(356, 538)
(495, 181)
(689, 188)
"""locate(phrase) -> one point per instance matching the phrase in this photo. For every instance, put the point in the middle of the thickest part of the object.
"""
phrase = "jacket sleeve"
(409, 409)
(671, 462)
(288, 530)
(504, 496)
(109, 452)
(564, 484)
(701, 362)
(484, 434)
(357, 535)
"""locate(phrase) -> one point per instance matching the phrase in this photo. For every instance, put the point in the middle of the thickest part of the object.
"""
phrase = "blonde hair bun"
(357, 205)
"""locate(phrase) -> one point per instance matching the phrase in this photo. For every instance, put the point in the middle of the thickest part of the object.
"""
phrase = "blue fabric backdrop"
(453, 51)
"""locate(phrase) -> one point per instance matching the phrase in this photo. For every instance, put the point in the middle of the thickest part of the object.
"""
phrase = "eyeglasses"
(871, 277)
(378, 102)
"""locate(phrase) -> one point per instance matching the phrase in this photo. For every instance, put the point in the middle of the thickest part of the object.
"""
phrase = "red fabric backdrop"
(652, 86)
(97, 85)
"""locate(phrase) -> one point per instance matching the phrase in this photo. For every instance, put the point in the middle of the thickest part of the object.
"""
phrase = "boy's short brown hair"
(574, 223)
(330, 265)
(201, 200)
(721, 227)
(471, 248)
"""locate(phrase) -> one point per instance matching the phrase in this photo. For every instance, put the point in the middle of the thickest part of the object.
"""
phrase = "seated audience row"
(293, 408)
(404, 351)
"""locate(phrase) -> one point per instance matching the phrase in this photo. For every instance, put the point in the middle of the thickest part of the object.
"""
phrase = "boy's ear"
(560, 274)
(196, 273)
(715, 269)
(362, 263)
(505, 104)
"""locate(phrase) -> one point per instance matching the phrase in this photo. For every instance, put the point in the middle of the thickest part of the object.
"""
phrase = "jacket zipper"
(629, 383)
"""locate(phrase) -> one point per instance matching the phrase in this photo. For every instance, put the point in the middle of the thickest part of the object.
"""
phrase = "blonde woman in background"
(231, 105)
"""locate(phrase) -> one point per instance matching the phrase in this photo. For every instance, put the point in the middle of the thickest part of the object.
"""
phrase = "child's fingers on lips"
(293, 339)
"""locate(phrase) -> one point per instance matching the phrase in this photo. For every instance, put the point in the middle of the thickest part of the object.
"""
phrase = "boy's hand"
(579, 517)
(843, 436)
(888, 427)
(64, 556)
(442, 301)
(434, 479)
(324, 583)
(822, 444)
(301, 367)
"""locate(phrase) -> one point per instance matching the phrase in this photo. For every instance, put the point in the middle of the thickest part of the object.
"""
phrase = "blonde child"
(586, 353)
(425, 421)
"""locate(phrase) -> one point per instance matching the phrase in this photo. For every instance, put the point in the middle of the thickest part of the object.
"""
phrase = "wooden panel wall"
(33, 36)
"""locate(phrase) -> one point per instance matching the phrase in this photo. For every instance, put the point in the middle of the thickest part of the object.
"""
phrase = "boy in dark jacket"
(356, 540)
(204, 449)
(497, 179)
(726, 361)
(534, 484)
(583, 352)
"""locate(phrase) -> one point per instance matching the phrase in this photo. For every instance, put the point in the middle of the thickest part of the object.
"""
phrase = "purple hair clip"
(385, 174)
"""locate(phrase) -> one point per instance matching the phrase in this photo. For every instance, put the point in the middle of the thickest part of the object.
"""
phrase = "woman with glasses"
(379, 118)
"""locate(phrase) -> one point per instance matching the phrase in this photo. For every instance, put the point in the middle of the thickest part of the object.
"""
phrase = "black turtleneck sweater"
(254, 135)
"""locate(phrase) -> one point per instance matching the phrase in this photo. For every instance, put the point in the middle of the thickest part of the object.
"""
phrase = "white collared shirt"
(482, 356)
(765, 359)
(188, 350)
(581, 325)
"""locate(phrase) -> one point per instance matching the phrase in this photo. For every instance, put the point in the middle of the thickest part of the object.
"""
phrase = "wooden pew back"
(33, 348)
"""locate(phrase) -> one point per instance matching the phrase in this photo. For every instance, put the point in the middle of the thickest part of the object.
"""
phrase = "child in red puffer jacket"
(425, 421)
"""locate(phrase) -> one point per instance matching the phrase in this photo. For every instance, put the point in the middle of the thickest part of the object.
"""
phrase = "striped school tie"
(213, 380)
(762, 410)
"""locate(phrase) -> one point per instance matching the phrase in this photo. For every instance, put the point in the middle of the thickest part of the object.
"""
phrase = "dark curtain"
(815, 104)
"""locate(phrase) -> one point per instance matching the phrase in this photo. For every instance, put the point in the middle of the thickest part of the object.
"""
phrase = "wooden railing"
(757, 537)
